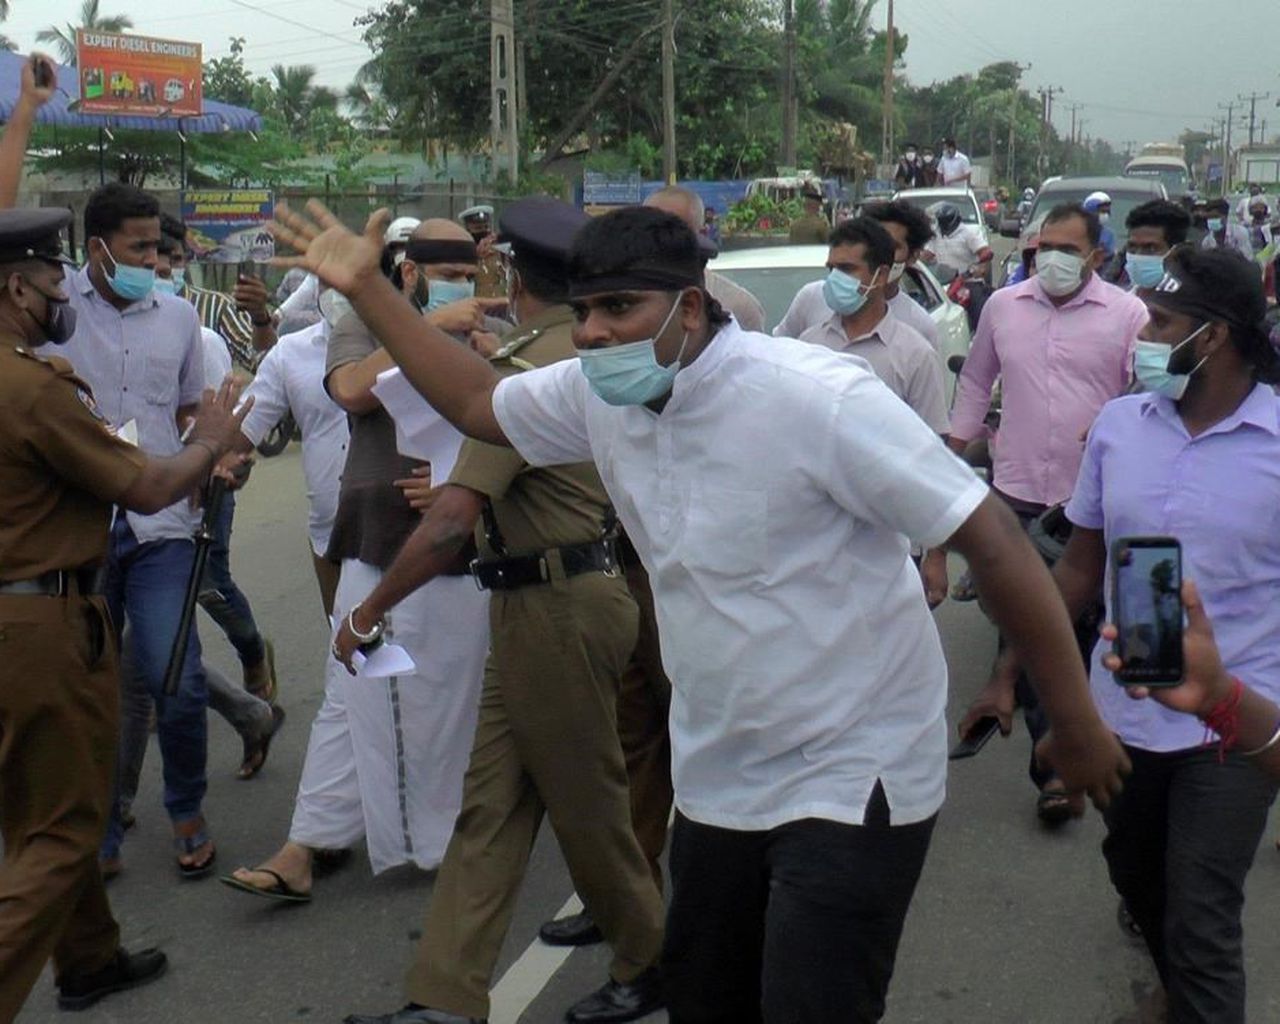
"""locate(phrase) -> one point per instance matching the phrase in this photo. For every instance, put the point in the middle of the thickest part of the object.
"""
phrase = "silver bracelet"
(1275, 738)
(364, 638)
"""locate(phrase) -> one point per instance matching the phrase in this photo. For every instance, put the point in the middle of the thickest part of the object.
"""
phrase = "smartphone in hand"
(1146, 607)
(976, 738)
(42, 72)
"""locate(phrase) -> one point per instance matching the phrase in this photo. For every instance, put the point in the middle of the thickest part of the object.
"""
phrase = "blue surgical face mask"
(166, 285)
(441, 293)
(1151, 366)
(844, 293)
(1215, 224)
(630, 374)
(1144, 270)
(130, 283)
(179, 277)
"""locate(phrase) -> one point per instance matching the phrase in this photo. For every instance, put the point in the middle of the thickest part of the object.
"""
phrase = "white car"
(773, 274)
(962, 199)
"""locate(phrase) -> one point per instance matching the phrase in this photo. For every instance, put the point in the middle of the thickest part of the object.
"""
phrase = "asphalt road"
(1010, 923)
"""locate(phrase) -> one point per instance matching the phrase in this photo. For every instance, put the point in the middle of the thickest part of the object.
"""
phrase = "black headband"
(1184, 295)
(639, 277)
(441, 250)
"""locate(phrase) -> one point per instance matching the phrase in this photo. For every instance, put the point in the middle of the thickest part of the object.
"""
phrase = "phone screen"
(1147, 609)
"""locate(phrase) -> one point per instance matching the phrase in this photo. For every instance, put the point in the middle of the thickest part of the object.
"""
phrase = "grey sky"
(1142, 70)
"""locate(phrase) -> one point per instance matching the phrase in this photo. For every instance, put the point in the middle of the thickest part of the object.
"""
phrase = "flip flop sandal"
(1053, 807)
(188, 845)
(281, 891)
(259, 750)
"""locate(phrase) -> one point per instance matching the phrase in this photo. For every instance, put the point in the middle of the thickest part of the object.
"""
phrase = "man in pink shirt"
(1061, 343)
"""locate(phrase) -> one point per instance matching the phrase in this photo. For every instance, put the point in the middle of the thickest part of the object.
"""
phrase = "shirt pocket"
(726, 530)
(160, 381)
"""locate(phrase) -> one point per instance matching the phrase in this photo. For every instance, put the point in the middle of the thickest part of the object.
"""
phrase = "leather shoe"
(619, 1001)
(574, 930)
(412, 1015)
(124, 971)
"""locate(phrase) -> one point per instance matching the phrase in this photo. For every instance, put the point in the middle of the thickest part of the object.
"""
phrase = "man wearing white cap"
(491, 279)
(1100, 203)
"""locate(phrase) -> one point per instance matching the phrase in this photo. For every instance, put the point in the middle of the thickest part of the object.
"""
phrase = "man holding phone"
(1196, 458)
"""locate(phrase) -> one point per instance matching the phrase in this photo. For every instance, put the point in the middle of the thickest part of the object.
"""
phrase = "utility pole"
(1252, 100)
(788, 155)
(1230, 108)
(886, 131)
(1010, 169)
(669, 92)
(504, 134)
(1046, 122)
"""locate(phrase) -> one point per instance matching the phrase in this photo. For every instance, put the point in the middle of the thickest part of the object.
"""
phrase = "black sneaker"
(125, 971)
(617, 1002)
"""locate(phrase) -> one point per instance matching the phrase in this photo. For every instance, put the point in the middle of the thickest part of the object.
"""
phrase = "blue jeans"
(146, 585)
(222, 599)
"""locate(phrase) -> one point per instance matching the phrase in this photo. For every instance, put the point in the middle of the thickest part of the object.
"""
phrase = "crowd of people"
(622, 605)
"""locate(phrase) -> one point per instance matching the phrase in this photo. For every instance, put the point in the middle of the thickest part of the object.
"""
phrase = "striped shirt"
(218, 312)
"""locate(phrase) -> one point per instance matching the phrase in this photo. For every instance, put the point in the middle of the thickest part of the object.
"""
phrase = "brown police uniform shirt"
(374, 518)
(61, 469)
(809, 230)
(541, 508)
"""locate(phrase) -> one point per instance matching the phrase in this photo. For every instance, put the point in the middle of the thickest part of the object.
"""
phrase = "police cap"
(481, 212)
(541, 229)
(33, 234)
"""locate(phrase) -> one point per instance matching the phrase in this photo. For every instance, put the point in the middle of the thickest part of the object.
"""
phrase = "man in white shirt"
(960, 246)
(860, 323)
(290, 378)
(954, 168)
(911, 231)
(808, 738)
(1242, 208)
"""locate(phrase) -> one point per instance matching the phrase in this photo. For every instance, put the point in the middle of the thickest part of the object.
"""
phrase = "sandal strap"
(190, 844)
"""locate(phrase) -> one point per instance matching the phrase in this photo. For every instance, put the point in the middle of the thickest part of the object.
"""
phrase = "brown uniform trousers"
(59, 699)
(644, 705)
(547, 725)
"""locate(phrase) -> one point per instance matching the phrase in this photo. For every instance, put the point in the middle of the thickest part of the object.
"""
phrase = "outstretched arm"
(457, 382)
(17, 133)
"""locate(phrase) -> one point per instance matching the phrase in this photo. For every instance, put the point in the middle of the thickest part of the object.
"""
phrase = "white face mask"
(1059, 273)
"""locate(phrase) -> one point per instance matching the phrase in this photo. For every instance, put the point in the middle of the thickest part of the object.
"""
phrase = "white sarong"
(387, 756)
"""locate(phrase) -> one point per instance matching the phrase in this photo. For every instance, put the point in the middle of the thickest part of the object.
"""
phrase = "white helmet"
(397, 233)
(1096, 199)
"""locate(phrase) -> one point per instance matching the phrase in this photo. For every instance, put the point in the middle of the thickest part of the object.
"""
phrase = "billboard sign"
(138, 75)
(601, 189)
(229, 225)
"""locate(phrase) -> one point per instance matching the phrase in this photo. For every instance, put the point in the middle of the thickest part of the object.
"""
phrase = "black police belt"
(515, 571)
(87, 582)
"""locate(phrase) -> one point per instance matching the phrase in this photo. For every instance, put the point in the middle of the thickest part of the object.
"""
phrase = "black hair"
(616, 242)
(172, 227)
(1170, 218)
(541, 279)
(1233, 281)
(113, 204)
(948, 141)
(1218, 206)
(901, 212)
(867, 232)
(1065, 211)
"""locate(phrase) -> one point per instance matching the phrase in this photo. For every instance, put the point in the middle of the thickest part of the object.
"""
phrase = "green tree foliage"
(63, 40)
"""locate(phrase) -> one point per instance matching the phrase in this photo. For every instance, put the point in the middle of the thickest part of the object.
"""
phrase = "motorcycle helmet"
(947, 216)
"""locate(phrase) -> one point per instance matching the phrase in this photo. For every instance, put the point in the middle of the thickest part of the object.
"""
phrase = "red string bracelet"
(1224, 719)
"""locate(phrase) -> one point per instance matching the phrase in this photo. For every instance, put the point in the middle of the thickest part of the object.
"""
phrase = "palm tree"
(64, 39)
(297, 95)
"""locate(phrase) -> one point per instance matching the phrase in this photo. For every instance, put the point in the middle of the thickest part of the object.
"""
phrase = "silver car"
(774, 274)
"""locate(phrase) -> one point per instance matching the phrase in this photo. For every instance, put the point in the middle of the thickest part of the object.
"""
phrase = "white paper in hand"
(421, 432)
(386, 660)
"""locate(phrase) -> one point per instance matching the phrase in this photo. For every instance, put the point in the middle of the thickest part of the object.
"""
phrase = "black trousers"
(796, 925)
(1180, 841)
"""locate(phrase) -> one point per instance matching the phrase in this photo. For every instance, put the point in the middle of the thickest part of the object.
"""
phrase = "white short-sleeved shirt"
(291, 377)
(771, 502)
(217, 358)
(809, 309)
(143, 363)
(952, 169)
(958, 250)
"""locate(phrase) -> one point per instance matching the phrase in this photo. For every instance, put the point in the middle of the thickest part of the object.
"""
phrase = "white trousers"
(386, 757)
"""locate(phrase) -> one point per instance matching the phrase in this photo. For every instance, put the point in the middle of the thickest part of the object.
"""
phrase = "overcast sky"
(1141, 70)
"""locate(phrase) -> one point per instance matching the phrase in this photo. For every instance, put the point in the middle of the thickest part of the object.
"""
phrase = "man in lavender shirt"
(1062, 344)
(1197, 458)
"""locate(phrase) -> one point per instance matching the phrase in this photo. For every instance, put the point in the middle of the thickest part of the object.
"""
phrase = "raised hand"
(218, 421)
(36, 94)
(338, 256)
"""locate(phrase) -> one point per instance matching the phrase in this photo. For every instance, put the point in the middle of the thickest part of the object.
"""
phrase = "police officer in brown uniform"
(563, 627)
(812, 228)
(61, 470)
(491, 278)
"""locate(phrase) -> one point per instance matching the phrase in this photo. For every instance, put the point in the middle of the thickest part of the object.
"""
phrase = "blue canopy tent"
(61, 110)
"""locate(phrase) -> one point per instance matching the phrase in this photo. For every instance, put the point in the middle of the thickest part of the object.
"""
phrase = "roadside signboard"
(229, 225)
(608, 190)
(139, 75)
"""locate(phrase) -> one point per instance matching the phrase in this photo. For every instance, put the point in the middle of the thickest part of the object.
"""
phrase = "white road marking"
(529, 975)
